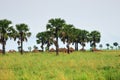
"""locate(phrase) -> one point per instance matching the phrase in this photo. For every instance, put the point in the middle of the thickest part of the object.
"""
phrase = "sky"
(100, 15)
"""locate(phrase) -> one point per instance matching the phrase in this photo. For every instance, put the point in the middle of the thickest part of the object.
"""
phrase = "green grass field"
(103, 65)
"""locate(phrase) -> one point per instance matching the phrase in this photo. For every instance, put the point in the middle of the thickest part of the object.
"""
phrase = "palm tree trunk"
(42, 47)
(21, 44)
(94, 45)
(83, 45)
(57, 42)
(48, 46)
(76, 46)
(3, 48)
(3, 45)
(57, 46)
(68, 50)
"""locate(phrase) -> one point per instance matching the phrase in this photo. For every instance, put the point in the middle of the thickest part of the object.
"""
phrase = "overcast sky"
(101, 15)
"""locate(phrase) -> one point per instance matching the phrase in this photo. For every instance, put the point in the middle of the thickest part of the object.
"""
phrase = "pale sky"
(101, 15)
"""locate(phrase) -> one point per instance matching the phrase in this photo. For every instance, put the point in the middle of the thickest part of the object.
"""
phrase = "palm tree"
(22, 34)
(115, 44)
(101, 46)
(44, 38)
(119, 47)
(29, 48)
(6, 31)
(76, 36)
(108, 45)
(84, 37)
(111, 47)
(67, 35)
(41, 39)
(49, 39)
(55, 25)
(94, 37)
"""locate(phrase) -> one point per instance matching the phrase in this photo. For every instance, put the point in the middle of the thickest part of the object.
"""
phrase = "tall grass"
(76, 66)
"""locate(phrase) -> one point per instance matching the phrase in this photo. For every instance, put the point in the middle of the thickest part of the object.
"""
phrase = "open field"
(103, 65)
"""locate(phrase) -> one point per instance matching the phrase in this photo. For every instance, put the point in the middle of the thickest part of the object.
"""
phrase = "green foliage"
(94, 37)
(22, 34)
(107, 44)
(84, 37)
(44, 38)
(67, 35)
(103, 65)
(6, 31)
(55, 26)
(115, 44)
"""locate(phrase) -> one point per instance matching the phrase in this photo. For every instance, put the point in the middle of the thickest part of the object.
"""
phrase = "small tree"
(94, 37)
(119, 47)
(30, 48)
(111, 47)
(41, 38)
(115, 44)
(101, 46)
(108, 45)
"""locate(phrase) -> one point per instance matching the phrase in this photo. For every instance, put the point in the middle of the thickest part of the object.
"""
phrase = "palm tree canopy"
(44, 38)
(24, 30)
(40, 37)
(49, 37)
(94, 36)
(107, 44)
(66, 34)
(5, 29)
(22, 27)
(12, 32)
(76, 35)
(4, 24)
(84, 36)
(115, 44)
(55, 23)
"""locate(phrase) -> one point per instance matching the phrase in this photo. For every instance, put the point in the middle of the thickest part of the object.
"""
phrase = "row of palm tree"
(20, 33)
(114, 44)
(58, 29)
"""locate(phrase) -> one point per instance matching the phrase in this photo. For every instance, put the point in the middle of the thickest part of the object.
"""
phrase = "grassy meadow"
(104, 65)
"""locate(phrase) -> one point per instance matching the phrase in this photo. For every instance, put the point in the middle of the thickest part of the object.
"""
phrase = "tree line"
(56, 28)
(109, 46)
(67, 33)
(20, 33)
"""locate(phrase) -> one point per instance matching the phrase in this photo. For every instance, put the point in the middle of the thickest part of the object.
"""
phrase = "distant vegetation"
(67, 33)
(7, 31)
(56, 28)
